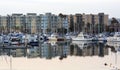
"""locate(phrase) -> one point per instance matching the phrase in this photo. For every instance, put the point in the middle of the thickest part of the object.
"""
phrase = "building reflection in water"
(88, 49)
(51, 50)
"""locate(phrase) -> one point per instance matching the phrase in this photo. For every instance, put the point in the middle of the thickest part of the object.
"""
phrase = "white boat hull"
(81, 39)
(57, 39)
(52, 39)
(113, 39)
(102, 39)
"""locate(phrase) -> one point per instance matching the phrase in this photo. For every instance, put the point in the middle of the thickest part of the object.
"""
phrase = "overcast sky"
(111, 7)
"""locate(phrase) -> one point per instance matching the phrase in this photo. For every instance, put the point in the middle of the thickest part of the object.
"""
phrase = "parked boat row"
(115, 37)
(18, 38)
(34, 39)
(100, 37)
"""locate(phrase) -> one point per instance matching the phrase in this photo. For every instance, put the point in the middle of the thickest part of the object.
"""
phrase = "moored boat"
(56, 37)
(82, 37)
(114, 38)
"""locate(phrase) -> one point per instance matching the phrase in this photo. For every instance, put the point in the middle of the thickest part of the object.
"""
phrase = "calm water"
(76, 55)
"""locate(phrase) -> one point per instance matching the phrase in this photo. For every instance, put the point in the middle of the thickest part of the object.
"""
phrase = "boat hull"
(113, 39)
(56, 39)
(80, 39)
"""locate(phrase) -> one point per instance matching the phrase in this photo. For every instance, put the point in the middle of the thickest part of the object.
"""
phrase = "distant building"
(71, 23)
(31, 21)
(51, 23)
(16, 22)
(89, 23)
(63, 23)
(48, 23)
(3, 24)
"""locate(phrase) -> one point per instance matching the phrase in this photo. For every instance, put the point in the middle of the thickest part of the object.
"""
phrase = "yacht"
(115, 37)
(102, 37)
(43, 37)
(15, 38)
(6, 39)
(14, 41)
(82, 37)
(68, 37)
(56, 37)
(34, 41)
(26, 39)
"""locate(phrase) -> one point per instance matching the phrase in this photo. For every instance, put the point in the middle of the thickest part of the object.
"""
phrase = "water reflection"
(88, 49)
(54, 49)
(115, 46)
(62, 50)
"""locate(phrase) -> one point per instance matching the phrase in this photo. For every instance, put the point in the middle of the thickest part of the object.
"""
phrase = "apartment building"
(16, 22)
(89, 23)
(3, 24)
(63, 23)
(51, 23)
(31, 19)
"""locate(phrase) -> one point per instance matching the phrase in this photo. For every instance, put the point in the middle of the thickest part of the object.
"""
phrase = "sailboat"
(82, 37)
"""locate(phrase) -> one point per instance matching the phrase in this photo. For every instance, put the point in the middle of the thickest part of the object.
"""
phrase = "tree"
(114, 20)
(114, 26)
